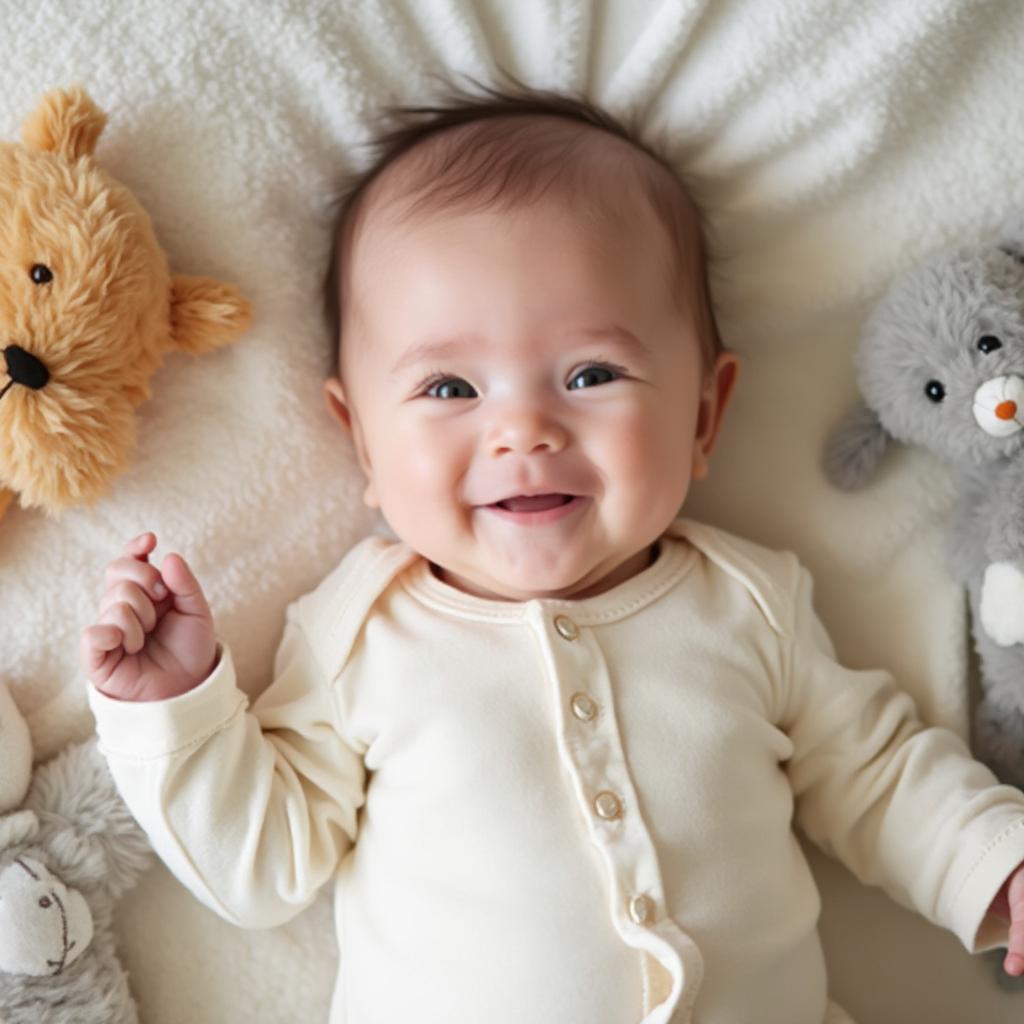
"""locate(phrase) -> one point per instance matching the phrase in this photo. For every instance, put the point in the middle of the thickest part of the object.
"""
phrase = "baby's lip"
(533, 492)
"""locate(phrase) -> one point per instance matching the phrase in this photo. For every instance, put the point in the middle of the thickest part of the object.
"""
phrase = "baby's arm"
(903, 805)
(252, 811)
(154, 635)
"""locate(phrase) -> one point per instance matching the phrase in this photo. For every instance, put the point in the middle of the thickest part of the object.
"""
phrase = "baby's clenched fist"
(154, 636)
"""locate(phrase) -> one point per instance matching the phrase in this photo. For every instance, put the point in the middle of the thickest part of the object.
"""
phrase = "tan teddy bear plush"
(88, 309)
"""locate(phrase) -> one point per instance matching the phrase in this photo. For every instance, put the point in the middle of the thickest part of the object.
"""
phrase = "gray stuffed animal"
(67, 852)
(941, 364)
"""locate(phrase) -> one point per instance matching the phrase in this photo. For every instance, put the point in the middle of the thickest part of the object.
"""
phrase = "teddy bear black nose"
(25, 368)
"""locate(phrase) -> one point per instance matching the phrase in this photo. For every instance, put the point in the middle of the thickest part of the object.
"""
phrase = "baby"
(549, 744)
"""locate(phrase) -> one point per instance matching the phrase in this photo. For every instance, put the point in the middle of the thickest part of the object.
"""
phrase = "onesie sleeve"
(251, 810)
(901, 804)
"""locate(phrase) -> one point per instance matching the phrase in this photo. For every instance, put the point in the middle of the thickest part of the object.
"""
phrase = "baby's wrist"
(146, 693)
(163, 688)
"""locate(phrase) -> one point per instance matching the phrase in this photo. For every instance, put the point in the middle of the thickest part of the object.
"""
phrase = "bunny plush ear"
(205, 314)
(66, 122)
(855, 449)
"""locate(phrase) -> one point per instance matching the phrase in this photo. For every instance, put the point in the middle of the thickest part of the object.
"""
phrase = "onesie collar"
(674, 559)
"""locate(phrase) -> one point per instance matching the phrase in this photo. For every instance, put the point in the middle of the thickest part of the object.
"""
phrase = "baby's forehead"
(504, 164)
(501, 165)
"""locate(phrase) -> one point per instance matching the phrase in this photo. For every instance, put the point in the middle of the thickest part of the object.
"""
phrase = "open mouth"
(537, 509)
(534, 502)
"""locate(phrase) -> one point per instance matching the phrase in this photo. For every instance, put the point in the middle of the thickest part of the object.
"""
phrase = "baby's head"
(528, 363)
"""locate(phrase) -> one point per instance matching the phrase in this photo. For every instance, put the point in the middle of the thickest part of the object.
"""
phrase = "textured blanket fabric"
(830, 143)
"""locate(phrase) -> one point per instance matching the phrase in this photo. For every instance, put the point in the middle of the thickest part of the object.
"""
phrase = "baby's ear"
(855, 449)
(66, 122)
(206, 314)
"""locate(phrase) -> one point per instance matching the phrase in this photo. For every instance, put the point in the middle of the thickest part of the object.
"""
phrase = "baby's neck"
(620, 574)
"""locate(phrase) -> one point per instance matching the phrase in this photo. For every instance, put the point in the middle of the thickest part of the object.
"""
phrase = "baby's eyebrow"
(448, 348)
(616, 333)
(430, 351)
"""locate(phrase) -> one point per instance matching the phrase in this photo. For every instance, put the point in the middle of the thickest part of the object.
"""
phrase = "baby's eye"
(989, 343)
(590, 376)
(451, 387)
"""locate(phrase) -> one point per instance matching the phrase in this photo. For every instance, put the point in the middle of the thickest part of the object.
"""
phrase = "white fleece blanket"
(831, 143)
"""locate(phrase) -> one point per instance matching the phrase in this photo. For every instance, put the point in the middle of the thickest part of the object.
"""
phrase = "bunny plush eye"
(935, 391)
(988, 343)
(41, 274)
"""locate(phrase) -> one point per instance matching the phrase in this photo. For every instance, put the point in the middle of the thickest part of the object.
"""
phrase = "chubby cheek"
(418, 476)
(646, 461)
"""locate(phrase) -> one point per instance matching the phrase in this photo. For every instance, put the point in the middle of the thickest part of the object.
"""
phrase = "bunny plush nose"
(999, 406)
(25, 368)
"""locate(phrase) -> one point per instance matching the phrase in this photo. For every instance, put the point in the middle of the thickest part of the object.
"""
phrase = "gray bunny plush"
(68, 850)
(941, 364)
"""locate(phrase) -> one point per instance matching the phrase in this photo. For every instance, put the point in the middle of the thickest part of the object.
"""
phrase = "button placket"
(591, 749)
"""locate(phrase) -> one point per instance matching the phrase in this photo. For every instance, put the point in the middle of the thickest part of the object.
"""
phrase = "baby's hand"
(1009, 905)
(154, 636)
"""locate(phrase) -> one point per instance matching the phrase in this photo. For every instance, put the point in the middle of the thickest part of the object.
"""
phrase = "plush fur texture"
(66, 855)
(88, 310)
(941, 365)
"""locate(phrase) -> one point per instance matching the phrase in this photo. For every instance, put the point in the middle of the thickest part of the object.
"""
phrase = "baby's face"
(527, 400)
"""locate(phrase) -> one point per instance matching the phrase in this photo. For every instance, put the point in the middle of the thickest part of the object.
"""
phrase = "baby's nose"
(526, 432)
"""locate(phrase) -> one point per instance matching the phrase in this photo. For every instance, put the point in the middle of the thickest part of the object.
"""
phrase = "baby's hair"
(488, 162)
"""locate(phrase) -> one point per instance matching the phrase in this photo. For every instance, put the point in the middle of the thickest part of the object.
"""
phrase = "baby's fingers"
(144, 575)
(96, 645)
(123, 617)
(1014, 961)
(135, 597)
(189, 598)
(141, 546)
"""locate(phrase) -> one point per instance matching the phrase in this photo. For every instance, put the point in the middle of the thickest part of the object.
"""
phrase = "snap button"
(567, 629)
(584, 707)
(607, 805)
(641, 909)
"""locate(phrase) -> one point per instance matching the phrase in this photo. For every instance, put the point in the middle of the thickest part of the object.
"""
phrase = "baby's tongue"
(534, 503)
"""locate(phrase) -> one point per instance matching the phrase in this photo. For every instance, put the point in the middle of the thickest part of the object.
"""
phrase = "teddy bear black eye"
(41, 274)
(989, 343)
(935, 391)
(44, 901)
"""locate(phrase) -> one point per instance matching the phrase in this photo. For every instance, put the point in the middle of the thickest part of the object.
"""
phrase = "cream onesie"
(564, 811)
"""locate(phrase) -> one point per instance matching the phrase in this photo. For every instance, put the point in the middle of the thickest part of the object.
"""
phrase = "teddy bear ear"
(855, 449)
(66, 122)
(205, 313)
